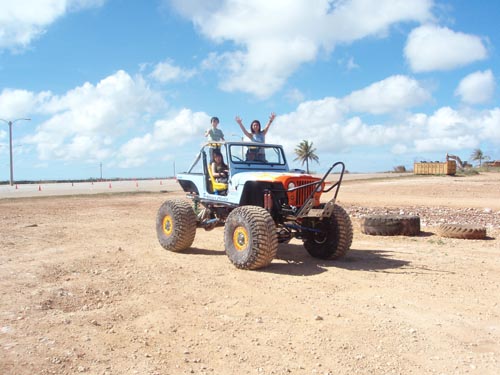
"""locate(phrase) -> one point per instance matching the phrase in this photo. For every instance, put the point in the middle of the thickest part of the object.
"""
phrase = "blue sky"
(133, 84)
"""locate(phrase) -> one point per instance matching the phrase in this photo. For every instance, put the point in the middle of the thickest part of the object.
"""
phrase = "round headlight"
(291, 185)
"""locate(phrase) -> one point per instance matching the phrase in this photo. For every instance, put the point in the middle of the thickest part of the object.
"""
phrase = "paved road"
(68, 188)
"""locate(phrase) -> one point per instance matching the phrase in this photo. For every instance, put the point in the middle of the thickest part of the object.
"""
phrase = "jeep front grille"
(297, 197)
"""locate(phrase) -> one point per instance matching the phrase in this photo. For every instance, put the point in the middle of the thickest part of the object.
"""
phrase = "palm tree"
(477, 154)
(306, 152)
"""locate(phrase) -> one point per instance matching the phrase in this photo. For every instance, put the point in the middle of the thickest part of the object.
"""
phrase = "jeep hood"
(242, 177)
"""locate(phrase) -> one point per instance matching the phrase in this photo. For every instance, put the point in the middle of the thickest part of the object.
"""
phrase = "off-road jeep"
(262, 204)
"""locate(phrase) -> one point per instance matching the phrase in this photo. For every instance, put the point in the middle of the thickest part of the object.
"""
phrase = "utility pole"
(10, 145)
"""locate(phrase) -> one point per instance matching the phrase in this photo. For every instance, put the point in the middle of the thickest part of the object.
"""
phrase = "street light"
(10, 145)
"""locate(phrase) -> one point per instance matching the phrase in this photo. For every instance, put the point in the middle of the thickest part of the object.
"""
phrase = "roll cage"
(244, 157)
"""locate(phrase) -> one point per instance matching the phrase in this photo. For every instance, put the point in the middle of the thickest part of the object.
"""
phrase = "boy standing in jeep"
(214, 134)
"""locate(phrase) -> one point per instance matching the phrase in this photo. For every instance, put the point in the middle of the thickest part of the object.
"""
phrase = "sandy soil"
(86, 288)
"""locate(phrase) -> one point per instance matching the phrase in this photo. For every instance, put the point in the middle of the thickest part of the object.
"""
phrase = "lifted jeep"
(263, 203)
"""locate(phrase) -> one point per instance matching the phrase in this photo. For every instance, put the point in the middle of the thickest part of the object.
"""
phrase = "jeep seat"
(216, 186)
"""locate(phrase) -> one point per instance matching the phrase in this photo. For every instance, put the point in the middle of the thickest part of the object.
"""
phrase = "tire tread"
(264, 240)
(390, 225)
(184, 225)
(462, 231)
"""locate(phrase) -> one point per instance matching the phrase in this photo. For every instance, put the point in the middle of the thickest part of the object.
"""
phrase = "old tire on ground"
(381, 225)
(410, 225)
(250, 237)
(335, 237)
(176, 225)
(470, 232)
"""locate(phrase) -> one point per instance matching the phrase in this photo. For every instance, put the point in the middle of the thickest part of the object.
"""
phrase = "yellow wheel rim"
(240, 238)
(167, 225)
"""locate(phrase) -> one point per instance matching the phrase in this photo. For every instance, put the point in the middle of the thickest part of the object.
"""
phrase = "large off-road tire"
(335, 237)
(176, 225)
(470, 232)
(380, 225)
(250, 237)
(390, 225)
(410, 225)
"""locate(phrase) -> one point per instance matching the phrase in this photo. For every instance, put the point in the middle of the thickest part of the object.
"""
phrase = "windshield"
(261, 154)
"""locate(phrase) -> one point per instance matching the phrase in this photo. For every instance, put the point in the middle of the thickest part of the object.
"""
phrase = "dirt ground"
(86, 288)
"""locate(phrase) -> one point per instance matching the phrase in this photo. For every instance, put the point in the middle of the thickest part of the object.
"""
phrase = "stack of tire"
(408, 225)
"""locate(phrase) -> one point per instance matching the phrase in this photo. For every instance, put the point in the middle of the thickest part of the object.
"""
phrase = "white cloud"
(318, 119)
(487, 125)
(275, 37)
(445, 143)
(430, 48)
(327, 124)
(447, 122)
(90, 122)
(180, 128)
(476, 88)
(134, 152)
(389, 95)
(355, 132)
(265, 70)
(448, 129)
(19, 103)
(331, 127)
(86, 121)
(22, 21)
(166, 72)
